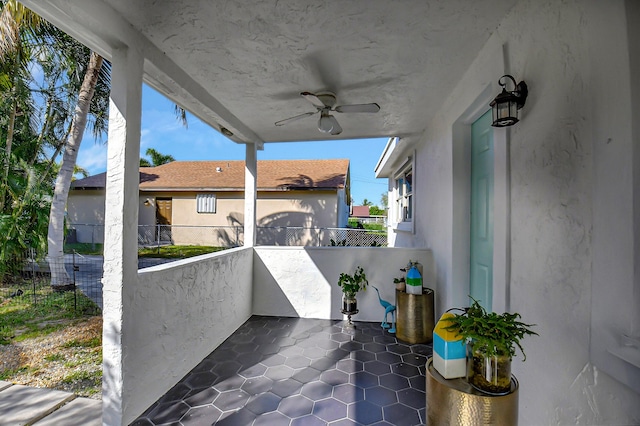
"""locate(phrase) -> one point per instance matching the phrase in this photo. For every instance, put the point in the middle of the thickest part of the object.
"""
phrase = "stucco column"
(121, 226)
(250, 194)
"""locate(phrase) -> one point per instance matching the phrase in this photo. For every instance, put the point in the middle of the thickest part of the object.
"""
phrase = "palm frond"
(181, 114)
(14, 17)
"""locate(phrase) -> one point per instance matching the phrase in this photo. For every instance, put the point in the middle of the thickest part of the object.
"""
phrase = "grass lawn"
(177, 252)
(353, 223)
(21, 318)
(163, 252)
(84, 248)
(375, 227)
(51, 343)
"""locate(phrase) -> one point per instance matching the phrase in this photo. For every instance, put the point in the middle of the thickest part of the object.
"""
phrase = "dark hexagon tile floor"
(293, 371)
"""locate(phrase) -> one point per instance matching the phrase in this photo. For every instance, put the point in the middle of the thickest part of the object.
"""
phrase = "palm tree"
(15, 60)
(77, 80)
(55, 252)
(24, 194)
(85, 70)
(157, 159)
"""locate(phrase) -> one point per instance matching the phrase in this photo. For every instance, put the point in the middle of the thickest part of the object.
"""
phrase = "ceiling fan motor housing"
(327, 98)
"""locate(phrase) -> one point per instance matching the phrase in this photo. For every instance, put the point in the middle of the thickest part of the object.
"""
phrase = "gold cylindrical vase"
(415, 316)
(455, 402)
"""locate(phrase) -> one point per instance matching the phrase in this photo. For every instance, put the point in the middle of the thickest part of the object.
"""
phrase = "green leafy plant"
(351, 284)
(54, 357)
(491, 333)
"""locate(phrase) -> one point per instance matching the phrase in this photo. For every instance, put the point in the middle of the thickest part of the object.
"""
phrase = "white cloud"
(93, 157)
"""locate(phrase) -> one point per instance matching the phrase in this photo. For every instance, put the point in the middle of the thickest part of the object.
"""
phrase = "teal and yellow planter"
(449, 351)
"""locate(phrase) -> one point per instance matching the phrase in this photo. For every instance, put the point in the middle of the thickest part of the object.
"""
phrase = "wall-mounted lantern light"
(506, 105)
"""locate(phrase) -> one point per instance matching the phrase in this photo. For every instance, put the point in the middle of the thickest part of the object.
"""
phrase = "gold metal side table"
(415, 316)
(456, 402)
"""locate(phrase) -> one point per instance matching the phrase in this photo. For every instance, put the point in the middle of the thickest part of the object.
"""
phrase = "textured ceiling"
(253, 58)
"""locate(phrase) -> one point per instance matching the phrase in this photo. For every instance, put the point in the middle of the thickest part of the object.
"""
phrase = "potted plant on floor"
(492, 340)
(351, 285)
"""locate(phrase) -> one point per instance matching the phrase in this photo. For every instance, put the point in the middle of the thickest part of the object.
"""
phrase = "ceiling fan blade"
(297, 117)
(313, 99)
(358, 108)
(337, 129)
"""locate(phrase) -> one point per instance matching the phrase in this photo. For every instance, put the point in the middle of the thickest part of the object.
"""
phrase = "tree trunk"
(7, 153)
(55, 238)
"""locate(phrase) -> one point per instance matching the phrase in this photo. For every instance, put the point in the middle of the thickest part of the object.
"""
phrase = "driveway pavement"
(24, 405)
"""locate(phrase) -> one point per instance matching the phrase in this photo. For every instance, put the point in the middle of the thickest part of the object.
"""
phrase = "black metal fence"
(78, 288)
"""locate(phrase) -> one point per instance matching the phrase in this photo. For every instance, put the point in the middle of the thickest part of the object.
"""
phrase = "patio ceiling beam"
(101, 28)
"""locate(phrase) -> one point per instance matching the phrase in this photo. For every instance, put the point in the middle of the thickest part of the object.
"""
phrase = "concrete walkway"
(24, 405)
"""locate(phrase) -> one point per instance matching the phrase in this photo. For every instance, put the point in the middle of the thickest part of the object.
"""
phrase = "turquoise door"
(481, 239)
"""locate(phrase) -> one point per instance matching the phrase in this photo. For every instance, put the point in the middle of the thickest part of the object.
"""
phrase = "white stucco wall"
(302, 281)
(86, 208)
(285, 208)
(85, 214)
(564, 212)
(180, 312)
(310, 209)
(343, 209)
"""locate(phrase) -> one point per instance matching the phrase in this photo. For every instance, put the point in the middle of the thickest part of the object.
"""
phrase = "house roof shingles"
(273, 175)
(360, 211)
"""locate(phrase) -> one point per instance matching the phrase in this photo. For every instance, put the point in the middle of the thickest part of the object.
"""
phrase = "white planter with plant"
(351, 285)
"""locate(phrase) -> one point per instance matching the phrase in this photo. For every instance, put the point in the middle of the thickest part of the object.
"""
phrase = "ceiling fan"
(325, 103)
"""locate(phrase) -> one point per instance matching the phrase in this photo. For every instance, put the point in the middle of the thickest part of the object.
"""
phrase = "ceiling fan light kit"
(327, 123)
(325, 103)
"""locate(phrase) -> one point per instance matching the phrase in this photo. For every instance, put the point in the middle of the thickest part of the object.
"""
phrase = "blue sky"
(163, 132)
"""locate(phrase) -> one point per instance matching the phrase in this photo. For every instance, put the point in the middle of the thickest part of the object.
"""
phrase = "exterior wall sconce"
(147, 202)
(506, 105)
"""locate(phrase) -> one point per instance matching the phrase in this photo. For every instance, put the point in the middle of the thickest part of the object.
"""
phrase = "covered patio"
(184, 310)
(295, 371)
(563, 213)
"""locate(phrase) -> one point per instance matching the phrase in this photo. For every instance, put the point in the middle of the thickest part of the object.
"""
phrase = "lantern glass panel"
(505, 113)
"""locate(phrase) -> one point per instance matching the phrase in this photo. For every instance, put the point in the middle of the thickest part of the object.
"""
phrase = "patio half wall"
(183, 310)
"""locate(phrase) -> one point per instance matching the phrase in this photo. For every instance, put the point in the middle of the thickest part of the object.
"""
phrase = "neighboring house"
(194, 196)
(359, 212)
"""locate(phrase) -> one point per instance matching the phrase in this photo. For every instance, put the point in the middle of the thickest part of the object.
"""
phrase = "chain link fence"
(355, 237)
(75, 281)
(215, 236)
(233, 236)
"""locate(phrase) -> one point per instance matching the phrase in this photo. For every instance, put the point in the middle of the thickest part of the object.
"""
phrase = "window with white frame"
(404, 198)
(206, 203)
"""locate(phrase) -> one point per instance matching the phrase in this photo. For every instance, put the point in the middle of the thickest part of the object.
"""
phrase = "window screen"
(206, 203)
